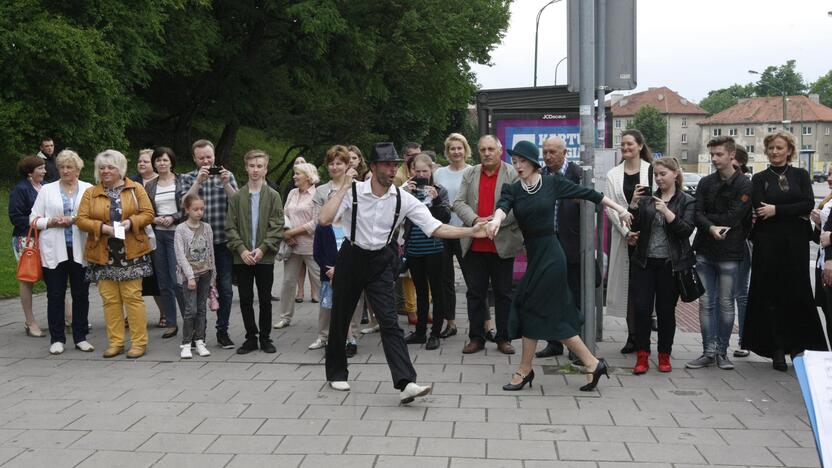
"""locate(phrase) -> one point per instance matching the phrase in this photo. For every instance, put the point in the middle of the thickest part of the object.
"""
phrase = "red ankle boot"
(642, 362)
(664, 362)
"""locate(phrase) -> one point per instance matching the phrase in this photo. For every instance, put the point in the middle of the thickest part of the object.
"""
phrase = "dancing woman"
(543, 307)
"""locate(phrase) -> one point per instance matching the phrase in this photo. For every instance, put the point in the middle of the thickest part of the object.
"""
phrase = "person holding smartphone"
(425, 254)
(723, 204)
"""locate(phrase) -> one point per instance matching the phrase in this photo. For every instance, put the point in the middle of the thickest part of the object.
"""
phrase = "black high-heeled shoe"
(510, 387)
(600, 369)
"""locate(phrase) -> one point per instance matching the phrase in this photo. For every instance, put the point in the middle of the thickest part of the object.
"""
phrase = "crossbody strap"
(395, 216)
(354, 212)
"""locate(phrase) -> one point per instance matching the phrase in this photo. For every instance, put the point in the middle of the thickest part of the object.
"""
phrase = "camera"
(214, 170)
(420, 181)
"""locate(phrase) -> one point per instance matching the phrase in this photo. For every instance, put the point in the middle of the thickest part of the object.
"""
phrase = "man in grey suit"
(486, 261)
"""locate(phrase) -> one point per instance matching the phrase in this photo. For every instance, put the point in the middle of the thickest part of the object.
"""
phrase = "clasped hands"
(110, 231)
(251, 257)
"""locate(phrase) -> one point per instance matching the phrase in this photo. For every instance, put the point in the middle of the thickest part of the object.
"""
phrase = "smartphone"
(724, 231)
(214, 170)
(420, 181)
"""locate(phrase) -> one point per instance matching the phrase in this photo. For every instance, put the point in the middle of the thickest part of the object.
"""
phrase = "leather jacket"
(678, 232)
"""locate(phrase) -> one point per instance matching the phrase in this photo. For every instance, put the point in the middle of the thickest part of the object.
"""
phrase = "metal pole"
(785, 112)
(536, 29)
(587, 97)
(600, 81)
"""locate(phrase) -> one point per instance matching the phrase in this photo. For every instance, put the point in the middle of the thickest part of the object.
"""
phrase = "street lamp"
(536, 28)
(556, 69)
(783, 92)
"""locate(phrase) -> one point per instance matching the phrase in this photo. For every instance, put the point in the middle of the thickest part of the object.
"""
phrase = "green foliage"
(774, 81)
(822, 87)
(650, 122)
(721, 99)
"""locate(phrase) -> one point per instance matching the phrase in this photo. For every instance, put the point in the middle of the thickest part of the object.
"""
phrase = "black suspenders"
(355, 213)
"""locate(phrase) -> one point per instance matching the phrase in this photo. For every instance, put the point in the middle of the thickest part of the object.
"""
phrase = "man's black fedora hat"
(384, 152)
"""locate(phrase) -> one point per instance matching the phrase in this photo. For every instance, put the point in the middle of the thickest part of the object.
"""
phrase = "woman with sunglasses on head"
(781, 317)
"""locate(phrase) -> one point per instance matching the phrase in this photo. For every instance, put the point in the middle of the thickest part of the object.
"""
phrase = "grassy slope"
(247, 139)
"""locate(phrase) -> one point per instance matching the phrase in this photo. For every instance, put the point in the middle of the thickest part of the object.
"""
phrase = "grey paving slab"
(264, 461)
(457, 447)
(592, 451)
(171, 424)
(796, 456)
(109, 459)
(382, 445)
(410, 462)
(480, 463)
(757, 456)
(665, 452)
(177, 443)
(340, 461)
(235, 444)
(757, 437)
(48, 458)
(44, 439)
(193, 460)
(488, 430)
(292, 426)
(619, 434)
(306, 444)
(111, 440)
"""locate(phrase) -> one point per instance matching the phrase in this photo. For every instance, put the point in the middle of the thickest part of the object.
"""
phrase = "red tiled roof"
(770, 109)
(663, 98)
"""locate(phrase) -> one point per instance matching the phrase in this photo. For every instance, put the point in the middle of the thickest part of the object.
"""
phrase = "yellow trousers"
(407, 296)
(118, 296)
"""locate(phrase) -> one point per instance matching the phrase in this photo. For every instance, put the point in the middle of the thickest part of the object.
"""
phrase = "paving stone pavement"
(229, 410)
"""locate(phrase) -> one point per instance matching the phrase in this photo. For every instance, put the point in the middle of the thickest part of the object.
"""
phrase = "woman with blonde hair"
(114, 213)
(782, 316)
(62, 252)
(458, 154)
(301, 215)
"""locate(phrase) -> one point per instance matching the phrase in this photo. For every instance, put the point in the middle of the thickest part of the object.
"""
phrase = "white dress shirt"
(375, 215)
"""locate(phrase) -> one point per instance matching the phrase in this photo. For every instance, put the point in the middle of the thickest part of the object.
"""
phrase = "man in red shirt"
(487, 262)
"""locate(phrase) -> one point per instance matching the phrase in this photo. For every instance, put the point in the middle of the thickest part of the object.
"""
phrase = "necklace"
(533, 188)
(782, 182)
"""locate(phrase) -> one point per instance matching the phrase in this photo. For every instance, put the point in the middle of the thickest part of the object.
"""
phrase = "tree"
(721, 99)
(651, 123)
(823, 87)
(774, 81)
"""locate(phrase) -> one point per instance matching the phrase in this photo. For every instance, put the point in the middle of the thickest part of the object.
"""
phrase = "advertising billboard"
(512, 128)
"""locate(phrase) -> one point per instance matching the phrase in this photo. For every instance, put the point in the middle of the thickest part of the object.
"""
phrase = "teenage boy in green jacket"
(254, 228)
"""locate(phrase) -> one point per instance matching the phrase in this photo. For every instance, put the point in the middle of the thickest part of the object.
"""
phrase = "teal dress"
(543, 308)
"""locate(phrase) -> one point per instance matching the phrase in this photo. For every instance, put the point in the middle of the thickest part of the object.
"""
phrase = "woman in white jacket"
(62, 251)
(621, 184)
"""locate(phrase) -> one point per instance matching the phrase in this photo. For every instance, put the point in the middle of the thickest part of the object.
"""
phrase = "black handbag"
(689, 284)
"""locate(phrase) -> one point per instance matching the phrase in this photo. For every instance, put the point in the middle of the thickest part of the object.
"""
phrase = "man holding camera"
(723, 204)
(214, 184)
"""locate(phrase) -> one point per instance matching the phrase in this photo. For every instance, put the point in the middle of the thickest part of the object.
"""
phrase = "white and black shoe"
(413, 391)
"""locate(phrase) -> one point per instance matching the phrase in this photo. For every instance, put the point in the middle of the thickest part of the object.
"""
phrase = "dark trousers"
(573, 279)
(371, 272)
(452, 249)
(426, 273)
(247, 276)
(195, 314)
(654, 284)
(224, 262)
(56, 279)
(480, 269)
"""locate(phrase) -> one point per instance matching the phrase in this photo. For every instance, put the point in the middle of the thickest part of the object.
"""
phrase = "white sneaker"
(340, 385)
(318, 344)
(367, 331)
(282, 324)
(84, 346)
(185, 351)
(56, 348)
(413, 391)
(201, 349)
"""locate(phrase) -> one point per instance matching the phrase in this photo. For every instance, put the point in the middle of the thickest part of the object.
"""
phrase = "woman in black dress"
(782, 317)
(543, 308)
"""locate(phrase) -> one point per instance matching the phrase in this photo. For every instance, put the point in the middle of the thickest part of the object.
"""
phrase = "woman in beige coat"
(622, 182)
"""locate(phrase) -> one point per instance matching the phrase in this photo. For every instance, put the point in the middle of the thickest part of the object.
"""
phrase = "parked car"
(691, 180)
(819, 176)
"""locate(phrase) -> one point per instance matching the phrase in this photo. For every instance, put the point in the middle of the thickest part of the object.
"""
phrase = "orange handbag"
(29, 268)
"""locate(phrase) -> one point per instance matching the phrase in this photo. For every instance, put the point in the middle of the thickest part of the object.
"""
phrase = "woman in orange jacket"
(115, 212)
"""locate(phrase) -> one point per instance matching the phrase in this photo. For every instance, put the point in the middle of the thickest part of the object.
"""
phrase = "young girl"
(194, 247)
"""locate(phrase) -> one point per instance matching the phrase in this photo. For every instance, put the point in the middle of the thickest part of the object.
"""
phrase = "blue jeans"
(164, 267)
(741, 288)
(224, 262)
(716, 306)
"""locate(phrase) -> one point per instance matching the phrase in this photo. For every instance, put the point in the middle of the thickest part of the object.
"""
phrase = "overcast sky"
(691, 47)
